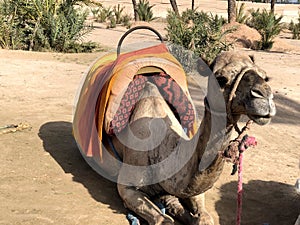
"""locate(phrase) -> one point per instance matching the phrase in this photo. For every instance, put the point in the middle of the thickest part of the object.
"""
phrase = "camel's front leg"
(196, 205)
(138, 202)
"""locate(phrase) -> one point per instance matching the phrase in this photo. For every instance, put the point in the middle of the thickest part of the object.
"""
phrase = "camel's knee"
(133, 199)
(126, 193)
(195, 204)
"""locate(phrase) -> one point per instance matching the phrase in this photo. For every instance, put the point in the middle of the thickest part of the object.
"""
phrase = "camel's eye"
(222, 81)
(267, 79)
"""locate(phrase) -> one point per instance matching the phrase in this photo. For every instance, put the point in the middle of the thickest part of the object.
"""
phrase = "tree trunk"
(193, 4)
(174, 6)
(136, 15)
(231, 11)
(272, 6)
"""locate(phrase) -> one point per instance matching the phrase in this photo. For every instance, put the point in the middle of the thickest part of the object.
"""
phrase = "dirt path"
(44, 179)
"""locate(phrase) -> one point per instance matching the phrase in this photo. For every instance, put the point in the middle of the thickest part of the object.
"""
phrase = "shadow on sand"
(287, 110)
(59, 142)
(270, 202)
(264, 202)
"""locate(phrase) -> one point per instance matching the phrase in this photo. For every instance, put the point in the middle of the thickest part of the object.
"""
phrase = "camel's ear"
(257, 71)
(252, 58)
(261, 73)
(222, 79)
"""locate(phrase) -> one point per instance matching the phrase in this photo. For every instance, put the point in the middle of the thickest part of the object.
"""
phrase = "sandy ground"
(44, 179)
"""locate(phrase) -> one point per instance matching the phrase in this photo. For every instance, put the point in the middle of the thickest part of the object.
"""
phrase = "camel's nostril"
(256, 93)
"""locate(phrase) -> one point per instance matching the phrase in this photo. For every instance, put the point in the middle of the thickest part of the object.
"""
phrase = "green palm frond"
(267, 24)
(241, 16)
(144, 10)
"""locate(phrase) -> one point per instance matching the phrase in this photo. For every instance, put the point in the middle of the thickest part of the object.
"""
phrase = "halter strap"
(232, 94)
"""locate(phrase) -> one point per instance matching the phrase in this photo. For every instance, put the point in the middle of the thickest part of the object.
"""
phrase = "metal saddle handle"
(137, 28)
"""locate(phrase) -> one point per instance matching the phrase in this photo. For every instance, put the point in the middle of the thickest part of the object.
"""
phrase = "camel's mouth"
(260, 120)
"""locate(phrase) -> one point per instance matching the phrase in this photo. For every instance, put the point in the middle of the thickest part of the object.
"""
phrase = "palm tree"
(273, 6)
(135, 10)
(174, 6)
(231, 11)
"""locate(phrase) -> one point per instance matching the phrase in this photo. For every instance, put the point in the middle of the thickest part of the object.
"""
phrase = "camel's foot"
(194, 213)
(172, 205)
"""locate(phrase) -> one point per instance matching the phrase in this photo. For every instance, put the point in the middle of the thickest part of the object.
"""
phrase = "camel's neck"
(211, 142)
(215, 131)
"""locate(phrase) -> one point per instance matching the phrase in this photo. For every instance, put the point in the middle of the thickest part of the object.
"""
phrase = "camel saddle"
(113, 86)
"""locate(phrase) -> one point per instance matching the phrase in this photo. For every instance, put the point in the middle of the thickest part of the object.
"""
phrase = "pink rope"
(240, 190)
(245, 143)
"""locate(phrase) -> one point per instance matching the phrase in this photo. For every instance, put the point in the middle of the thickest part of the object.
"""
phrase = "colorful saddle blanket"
(103, 105)
(170, 91)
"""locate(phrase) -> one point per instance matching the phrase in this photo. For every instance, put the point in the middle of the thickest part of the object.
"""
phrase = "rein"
(236, 148)
(232, 95)
(239, 145)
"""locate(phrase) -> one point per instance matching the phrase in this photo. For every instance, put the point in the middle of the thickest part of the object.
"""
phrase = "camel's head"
(244, 86)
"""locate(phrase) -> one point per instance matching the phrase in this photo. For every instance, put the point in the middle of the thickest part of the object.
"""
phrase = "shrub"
(112, 16)
(118, 10)
(95, 12)
(111, 22)
(241, 17)
(295, 28)
(103, 13)
(144, 10)
(197, 31)
(10, 35)
(267, 25)
(126, 20)
(42, 25)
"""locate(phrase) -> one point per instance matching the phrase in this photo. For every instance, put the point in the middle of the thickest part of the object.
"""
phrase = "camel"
(155, 159)
(183, 191)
